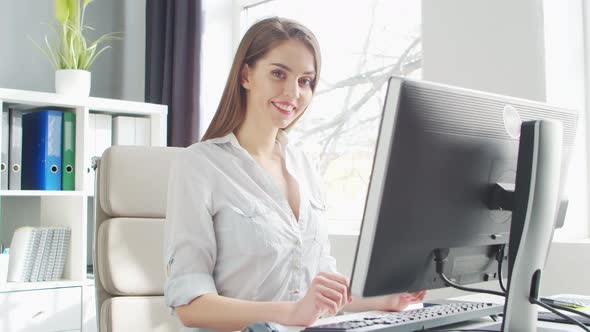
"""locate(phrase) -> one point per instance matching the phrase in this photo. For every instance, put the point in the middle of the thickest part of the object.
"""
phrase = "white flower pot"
(74, 82)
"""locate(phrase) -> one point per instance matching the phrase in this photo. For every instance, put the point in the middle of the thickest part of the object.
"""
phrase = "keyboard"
(434, 314)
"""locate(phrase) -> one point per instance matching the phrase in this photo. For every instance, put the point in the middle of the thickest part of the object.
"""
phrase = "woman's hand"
(399, 302)
(327, 292)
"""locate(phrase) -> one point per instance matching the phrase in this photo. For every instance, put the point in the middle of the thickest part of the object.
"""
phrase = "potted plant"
(73, 53)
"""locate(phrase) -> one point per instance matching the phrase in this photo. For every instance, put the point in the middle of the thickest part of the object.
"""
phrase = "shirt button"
(295, 291)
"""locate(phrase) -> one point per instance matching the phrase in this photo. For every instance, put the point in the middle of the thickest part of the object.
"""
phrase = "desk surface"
(473, 324)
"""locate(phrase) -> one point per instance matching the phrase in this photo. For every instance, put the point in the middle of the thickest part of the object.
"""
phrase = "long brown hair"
(260, 38)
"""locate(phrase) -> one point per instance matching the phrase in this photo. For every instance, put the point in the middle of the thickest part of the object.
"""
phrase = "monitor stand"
(533, 218)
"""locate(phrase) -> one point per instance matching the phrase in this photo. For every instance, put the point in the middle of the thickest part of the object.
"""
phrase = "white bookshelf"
(39, 193)
(67, 208)
(28, 286)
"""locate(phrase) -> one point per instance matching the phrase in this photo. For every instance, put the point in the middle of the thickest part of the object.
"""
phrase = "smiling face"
(279, 85)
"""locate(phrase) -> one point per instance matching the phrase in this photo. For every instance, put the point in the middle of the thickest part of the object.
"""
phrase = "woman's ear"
(245, 76)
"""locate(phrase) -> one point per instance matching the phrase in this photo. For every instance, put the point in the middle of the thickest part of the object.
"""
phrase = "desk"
(473, 324)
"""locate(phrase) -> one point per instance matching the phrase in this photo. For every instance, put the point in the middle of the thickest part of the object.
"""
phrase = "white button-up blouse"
(230, 231)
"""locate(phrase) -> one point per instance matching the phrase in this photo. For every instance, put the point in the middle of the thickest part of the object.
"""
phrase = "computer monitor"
(440, 153)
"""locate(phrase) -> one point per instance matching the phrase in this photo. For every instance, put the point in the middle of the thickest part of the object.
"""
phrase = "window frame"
(586, 49)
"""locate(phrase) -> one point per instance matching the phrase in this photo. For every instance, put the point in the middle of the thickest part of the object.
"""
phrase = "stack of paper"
(38, 253)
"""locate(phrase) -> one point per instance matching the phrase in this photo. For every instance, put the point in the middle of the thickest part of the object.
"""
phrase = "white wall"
(118, 73)
(567, 270)
(494, 46)
(21, 65)
(132, 58)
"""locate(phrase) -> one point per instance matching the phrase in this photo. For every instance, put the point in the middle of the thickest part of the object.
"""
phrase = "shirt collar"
(229, 138)
(282, 138)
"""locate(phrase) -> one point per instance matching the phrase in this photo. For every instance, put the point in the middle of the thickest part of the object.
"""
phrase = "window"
(564, 76)
(363, 43)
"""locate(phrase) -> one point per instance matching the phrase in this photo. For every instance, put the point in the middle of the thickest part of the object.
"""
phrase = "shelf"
(35, 98)
(41, 193)
(74, 209)
(25, 286)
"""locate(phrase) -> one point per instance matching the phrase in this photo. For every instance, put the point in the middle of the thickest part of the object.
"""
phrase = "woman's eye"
(306, 82)
(278, 74)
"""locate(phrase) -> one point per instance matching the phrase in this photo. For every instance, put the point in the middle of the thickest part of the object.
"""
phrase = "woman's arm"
(359, 304)
(395, 302)
(327, 293)
(227, 314)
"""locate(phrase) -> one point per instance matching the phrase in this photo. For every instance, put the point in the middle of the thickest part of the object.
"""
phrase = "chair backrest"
(130, 208)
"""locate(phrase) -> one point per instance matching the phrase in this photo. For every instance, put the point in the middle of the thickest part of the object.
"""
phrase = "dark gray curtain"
(173, 48)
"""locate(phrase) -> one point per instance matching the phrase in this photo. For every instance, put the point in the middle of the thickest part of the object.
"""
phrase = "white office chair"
(130, 207)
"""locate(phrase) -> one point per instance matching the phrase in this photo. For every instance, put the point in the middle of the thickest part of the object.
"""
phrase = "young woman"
(245, 235)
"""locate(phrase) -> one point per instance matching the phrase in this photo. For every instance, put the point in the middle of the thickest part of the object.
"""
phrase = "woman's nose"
(291, 89)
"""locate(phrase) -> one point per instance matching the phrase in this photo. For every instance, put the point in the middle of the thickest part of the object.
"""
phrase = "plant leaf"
(88, 56)
(73, 53)
(74, 9)
(51, 54)
(61, 10)
(97, 54)
(47, 52)
(64, 63)
(72, 49)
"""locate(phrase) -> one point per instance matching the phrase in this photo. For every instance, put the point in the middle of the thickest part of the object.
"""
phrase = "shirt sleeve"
(327, 261)
(190, 248)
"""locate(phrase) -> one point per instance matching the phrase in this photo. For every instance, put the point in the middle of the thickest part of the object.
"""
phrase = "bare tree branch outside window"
(340, 128)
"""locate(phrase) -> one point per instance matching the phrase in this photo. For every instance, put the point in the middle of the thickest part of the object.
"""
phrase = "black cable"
(557, 312)
(440, 257)
(500, 258)
(568, 309)
(468, 289)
